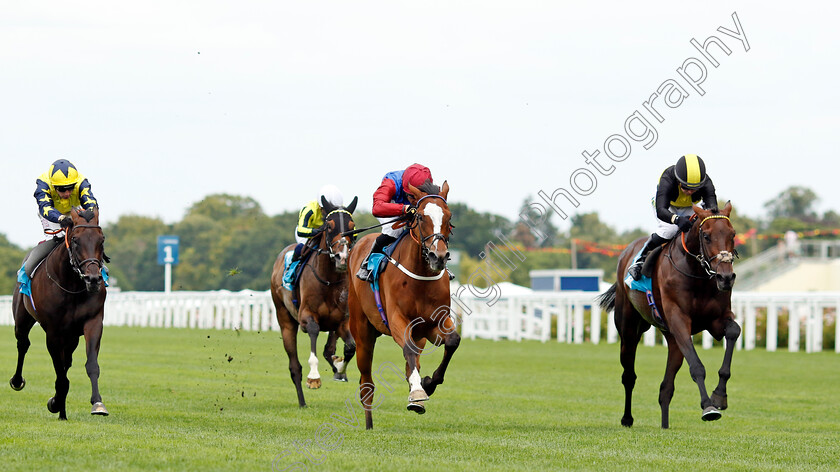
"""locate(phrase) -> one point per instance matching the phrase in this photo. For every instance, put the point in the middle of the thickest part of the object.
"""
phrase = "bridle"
(336, 247)
(705, 262)
(75, 264)
(414, 223)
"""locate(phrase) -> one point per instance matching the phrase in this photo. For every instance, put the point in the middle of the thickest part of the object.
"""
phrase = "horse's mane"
(87, 215)
(429, 188)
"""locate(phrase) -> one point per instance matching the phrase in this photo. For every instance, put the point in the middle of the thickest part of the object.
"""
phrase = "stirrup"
(364, 273)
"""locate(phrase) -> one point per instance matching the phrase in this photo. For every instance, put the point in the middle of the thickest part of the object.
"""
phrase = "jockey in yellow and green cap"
(680, 186)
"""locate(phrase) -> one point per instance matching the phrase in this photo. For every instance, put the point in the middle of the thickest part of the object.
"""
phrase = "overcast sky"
(160, 103)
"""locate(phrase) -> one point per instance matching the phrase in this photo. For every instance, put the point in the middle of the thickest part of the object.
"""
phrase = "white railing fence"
(574, 317)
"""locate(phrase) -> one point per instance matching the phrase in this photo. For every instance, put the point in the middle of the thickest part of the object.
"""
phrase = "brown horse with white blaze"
(322, 295)
(692, 284)
(68, 300)
(414, 297)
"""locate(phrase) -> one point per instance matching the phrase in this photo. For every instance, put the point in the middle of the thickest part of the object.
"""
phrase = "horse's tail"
(607, 299)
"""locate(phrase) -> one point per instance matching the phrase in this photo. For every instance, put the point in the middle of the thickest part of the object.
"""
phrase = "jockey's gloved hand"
(65, 221)
(409, 210)
(684, 223)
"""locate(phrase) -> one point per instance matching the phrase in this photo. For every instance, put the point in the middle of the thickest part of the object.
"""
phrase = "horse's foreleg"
(349, 352)
(93, 335)
(666, 389)
(329, 350)
(451, 341)
(313, 379)
(731, 332)
(23, 325)
(57, 404)
(682, 335)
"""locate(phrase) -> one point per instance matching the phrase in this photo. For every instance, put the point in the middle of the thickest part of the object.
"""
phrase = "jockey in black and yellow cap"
(59, 190)
(680, 186)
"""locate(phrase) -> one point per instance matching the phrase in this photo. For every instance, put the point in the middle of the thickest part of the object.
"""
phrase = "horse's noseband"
(78, 266)
(424, 249)
(722, 257)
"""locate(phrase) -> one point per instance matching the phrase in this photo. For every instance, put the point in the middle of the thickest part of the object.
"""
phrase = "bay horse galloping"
(692, 286)
(322, 296)
(68, 300)
(414, 298)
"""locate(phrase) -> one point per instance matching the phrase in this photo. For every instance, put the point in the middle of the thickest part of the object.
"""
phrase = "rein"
(329, 251)
(721, 257)
(76, 266)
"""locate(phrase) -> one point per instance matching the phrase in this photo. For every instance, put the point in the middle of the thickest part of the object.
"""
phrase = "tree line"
(228, 242)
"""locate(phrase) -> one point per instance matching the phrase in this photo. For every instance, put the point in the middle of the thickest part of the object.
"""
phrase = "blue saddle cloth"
(26, 282)
(644, 284)
(289, 269)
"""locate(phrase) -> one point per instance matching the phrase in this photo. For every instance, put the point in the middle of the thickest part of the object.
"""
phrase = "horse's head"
(717, 244)
(339, 220)
(86, 246)
(431, 227)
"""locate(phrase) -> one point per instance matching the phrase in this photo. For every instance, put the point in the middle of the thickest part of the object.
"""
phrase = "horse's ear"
(415, 192)
(326, 205)
(95, 215)
(352, 207)
(727, 209)
(701, 213)
(444, 190)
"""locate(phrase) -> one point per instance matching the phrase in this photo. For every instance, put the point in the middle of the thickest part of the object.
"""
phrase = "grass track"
(220, 400)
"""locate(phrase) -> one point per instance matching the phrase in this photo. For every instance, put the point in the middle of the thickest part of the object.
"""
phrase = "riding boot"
(38, 254)
(296, 253)
(655, 240)
(381, 241)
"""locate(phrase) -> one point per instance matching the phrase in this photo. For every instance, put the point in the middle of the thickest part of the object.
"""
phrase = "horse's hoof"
(719, 401)
(313, 383)
(340, 377)
(22, 384)
(51, 405)
(99, 409)
(711, 414)
(417, 407)
(417, 396)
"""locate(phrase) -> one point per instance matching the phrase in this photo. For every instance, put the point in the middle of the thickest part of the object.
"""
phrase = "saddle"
(650, 262)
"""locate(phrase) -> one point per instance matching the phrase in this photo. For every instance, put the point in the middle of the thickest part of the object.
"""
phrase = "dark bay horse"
(415, 298)
(692, 285)
(322, 296)
(68, 299)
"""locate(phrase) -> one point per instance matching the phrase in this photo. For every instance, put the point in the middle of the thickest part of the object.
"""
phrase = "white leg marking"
(414, 381)
(340, 366)
(313, 367)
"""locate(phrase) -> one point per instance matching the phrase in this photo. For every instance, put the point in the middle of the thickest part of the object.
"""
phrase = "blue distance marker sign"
(167, 250)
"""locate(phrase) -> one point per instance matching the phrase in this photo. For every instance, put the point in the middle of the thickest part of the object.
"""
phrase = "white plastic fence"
(575, 316)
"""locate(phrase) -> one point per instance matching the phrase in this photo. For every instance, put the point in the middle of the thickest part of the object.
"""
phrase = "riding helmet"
(690, 171)
(332, 195)
(63, 173)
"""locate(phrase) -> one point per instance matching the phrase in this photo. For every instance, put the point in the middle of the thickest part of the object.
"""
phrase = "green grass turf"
(222, 400)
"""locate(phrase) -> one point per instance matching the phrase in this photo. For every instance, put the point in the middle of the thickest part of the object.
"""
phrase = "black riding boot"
(653, 241)
(381, 241)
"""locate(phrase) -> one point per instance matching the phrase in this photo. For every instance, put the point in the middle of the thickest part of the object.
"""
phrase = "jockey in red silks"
(392, 200)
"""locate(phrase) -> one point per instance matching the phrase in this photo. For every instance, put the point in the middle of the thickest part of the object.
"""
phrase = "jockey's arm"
(382, 205)
(86, 196)
(45, 201)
